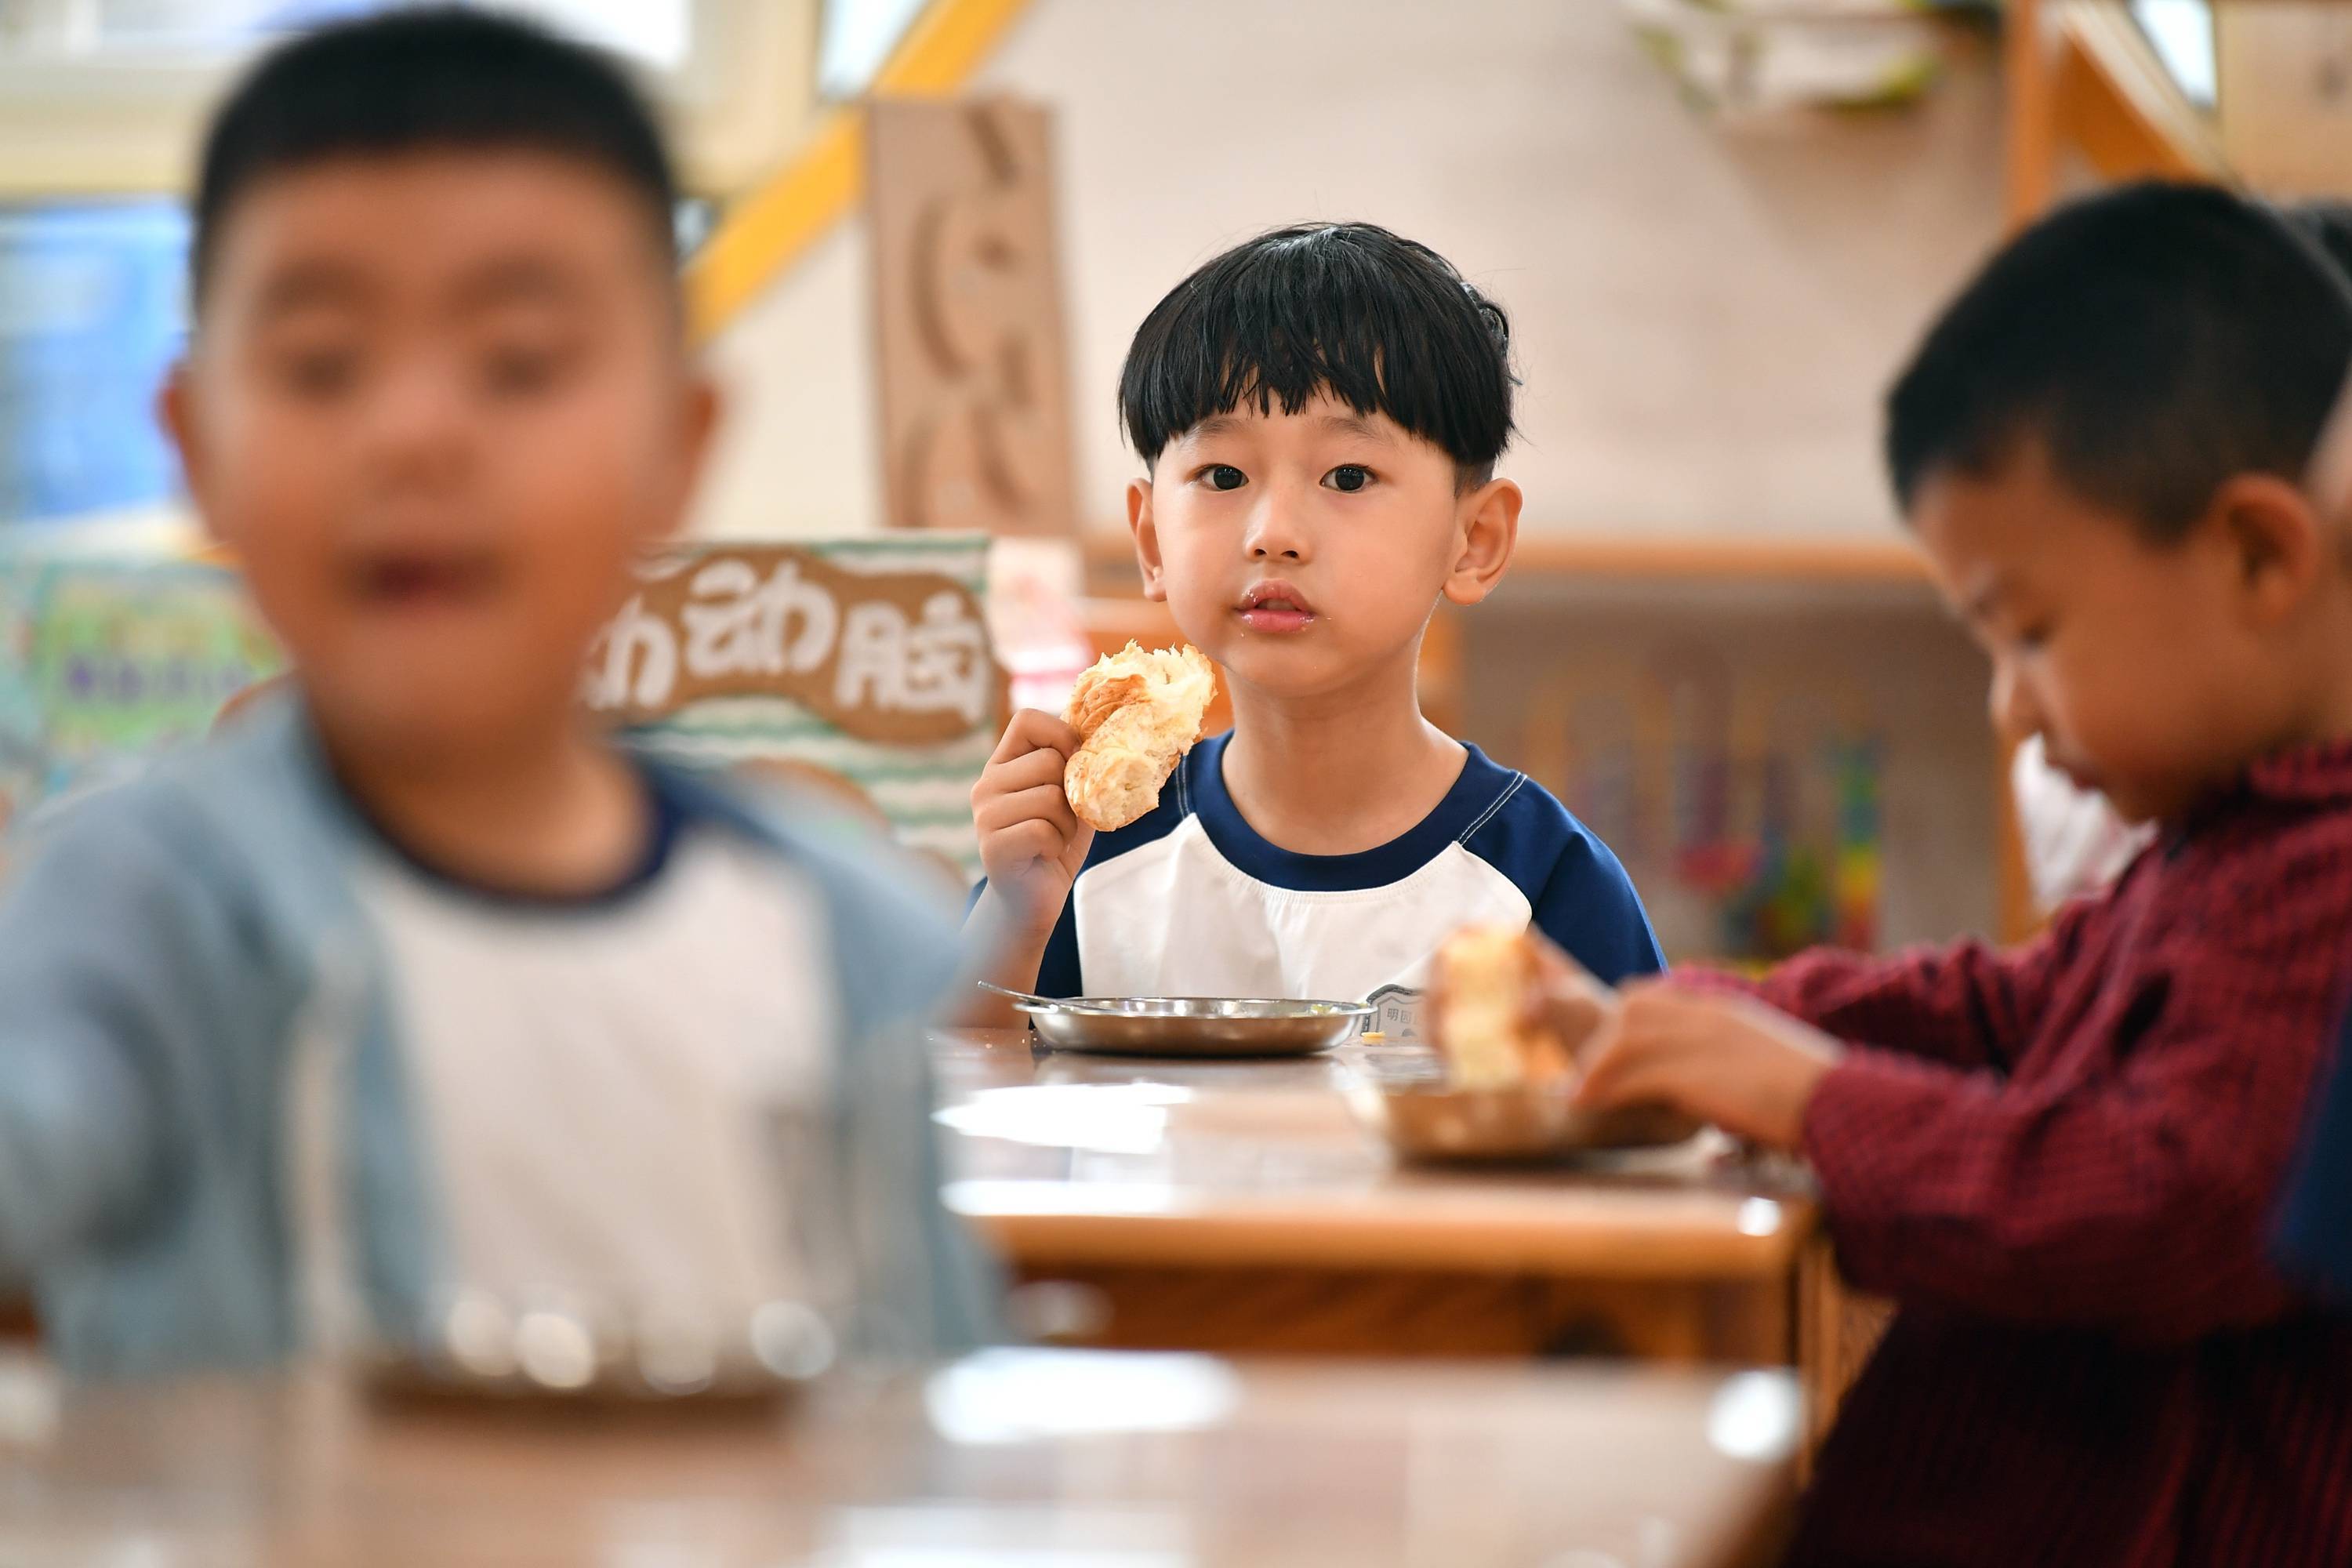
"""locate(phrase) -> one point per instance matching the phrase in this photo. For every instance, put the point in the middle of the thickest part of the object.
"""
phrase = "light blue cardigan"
(170, 946)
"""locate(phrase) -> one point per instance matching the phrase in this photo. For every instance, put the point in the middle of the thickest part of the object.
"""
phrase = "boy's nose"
(1273, 536)
(2016, 715)
(417, 430)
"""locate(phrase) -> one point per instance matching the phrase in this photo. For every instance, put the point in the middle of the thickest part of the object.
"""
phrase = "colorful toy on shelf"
(1750, 815)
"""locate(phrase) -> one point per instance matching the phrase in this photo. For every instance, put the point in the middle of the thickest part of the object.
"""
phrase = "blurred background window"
(2181, 32)
(91, 314)
(858, 37)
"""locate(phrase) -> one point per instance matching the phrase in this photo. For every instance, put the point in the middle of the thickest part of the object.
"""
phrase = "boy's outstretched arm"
(2130, 1190)
(105, 951)
(1032, 848)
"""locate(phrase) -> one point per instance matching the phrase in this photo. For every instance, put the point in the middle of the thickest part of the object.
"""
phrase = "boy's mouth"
(422, 580)
(1274, 606)
(2085, 778)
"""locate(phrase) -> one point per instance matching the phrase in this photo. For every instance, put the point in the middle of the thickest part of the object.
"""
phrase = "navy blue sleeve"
(1057, 971)
(2316, 1235)
(1579, 894)
(1589, 907)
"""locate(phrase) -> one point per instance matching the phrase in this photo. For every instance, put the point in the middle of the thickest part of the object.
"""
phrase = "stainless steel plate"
(1195, 1026)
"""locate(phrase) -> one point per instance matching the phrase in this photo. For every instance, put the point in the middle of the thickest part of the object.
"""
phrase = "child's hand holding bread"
(1053, 782)
(1511, 1008)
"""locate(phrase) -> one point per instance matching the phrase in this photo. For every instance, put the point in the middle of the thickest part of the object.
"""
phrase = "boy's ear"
(1486, 529)
(702, 409)
(1146, 538)
(176, 411)
(2277, 546)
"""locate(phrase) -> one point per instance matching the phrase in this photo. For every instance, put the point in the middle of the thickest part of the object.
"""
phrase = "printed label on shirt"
(1399, 1017)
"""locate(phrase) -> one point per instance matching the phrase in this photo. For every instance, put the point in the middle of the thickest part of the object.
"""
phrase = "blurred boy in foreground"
(412, 1006)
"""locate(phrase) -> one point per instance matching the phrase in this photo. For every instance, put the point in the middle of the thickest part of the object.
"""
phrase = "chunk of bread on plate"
(1137, 711)
(1485, 972)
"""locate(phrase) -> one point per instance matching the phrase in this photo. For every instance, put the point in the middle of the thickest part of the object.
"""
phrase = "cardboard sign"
(968, 317)
(858, 662)
(758, 620)
(883, 655)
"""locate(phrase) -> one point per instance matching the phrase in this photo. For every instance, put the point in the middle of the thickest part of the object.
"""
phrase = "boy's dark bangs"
(1278, 324)
(1223, 355)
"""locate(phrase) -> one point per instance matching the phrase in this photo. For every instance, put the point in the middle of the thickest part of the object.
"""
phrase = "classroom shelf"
(1686, 558)
(1775, 561)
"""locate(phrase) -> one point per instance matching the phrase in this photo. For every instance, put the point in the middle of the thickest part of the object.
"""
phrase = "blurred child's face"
(1304, 551)
(438, 405)
(2146, 667)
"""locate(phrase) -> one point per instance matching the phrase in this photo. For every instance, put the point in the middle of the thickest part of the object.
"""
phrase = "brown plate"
(1433, 1122)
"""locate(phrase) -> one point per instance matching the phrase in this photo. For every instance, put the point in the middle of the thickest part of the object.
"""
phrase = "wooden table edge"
(1378, 1241)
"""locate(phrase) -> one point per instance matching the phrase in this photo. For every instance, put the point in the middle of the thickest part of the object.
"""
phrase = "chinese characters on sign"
(892, 656)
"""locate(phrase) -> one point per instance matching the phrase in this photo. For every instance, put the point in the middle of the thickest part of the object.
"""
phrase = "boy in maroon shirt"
(2062, 1160)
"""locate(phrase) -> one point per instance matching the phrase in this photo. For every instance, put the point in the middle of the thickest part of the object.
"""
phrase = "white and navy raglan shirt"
(602, 1080)
(1191, 902)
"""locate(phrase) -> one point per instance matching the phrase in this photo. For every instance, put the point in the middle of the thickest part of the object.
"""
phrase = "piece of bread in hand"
(1484, 972)
(1138, 712)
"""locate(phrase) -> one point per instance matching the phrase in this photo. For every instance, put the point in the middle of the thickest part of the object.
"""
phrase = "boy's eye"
(2033, 636)
(1348, 477)
(522, 370)
(1224, 477)
(321, 373)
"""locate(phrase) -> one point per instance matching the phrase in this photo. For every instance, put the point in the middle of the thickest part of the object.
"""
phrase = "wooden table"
(1010, 1459)
(1238, 1207)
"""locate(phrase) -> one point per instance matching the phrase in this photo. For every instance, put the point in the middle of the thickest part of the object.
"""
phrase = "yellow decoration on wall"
(767, 230)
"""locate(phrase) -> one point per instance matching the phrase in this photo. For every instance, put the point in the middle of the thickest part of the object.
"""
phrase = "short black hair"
(1383, 324)
(2154, 339)
(427, 80)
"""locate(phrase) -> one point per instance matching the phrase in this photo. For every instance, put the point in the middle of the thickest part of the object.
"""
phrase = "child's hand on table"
(1564, 1000)
(1750, 1068)
(1032, 844)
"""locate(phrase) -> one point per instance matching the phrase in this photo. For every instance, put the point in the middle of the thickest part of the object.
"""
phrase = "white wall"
(797, 453)
(1704, 315)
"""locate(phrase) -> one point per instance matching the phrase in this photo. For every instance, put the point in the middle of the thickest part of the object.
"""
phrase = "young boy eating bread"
(1320, 412)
